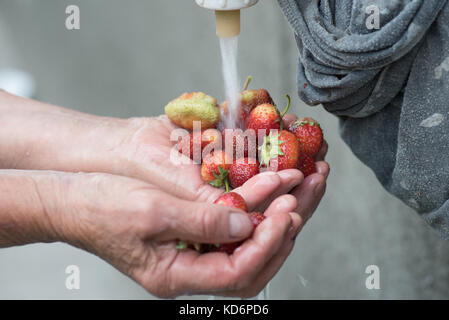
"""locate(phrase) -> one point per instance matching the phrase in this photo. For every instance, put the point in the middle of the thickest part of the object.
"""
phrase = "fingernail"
(324, 171)
(318, 189)
(239, 225)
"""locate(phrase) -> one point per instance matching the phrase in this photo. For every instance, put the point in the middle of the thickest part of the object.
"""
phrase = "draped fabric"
(388, 84)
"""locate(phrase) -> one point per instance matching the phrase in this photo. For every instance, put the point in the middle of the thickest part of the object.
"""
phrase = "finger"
(323, 168)
(202, 222)
(258, 188)
(290, 179)
(265, 276)
(309, 195)
(289, 119)
(321, 155)
(259, 199)
(282, 204)
(263, 188)
(219, 272)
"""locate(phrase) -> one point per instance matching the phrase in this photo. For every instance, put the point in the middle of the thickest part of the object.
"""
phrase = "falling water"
(229, 48)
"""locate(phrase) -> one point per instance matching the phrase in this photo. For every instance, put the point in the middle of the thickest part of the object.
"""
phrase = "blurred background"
(129, 59)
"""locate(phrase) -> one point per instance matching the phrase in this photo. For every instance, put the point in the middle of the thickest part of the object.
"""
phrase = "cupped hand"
(134, 226)
(133, 222)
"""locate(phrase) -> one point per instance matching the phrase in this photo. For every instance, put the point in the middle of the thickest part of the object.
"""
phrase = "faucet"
(227, 14)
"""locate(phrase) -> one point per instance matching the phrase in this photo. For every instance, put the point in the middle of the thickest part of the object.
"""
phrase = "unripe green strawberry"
(190, 107)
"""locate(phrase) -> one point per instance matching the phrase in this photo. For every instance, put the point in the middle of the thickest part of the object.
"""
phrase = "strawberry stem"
(288, 106)
(285, 111)
(248, 81)
(227, 184)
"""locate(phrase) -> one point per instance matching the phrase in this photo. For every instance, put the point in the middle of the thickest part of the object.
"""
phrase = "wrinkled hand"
(134, 226)
(136, 233)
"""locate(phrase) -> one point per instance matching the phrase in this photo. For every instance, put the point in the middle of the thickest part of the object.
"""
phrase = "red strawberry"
(214, 169)
(229, 248)
(242, 170)
(309, 134)
(264, 117)
(308, 166)
(239, 144)
(193, 144)
(232, 199)
(281, 151)
(249, 99)
(256, 218)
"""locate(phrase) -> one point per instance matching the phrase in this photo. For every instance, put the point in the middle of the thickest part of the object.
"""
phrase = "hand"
(139, 148)
(133, 225)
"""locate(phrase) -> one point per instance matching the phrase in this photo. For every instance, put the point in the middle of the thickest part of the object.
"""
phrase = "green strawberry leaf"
(220, 179)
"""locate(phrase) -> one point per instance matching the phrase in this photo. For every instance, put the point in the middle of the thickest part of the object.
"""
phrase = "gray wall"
(129, 59)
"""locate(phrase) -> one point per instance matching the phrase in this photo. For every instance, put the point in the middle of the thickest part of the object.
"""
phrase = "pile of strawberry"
(230, 166)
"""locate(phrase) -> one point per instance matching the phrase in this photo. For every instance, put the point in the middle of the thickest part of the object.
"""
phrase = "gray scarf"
(389, 85)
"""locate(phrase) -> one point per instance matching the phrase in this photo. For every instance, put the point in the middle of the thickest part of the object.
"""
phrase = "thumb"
(206, 223)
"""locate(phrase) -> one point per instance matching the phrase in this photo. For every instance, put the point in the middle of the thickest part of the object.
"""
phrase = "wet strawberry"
(264, 117)
(242, 170)
(249, 99)
(239, 144)
(309, 134)
(308, 166)
(232, 199)
(214, 169)
(280, 152)
(190, 107)
(193, 144)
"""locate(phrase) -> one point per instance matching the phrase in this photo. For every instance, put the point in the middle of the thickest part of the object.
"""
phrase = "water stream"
(229, 50)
